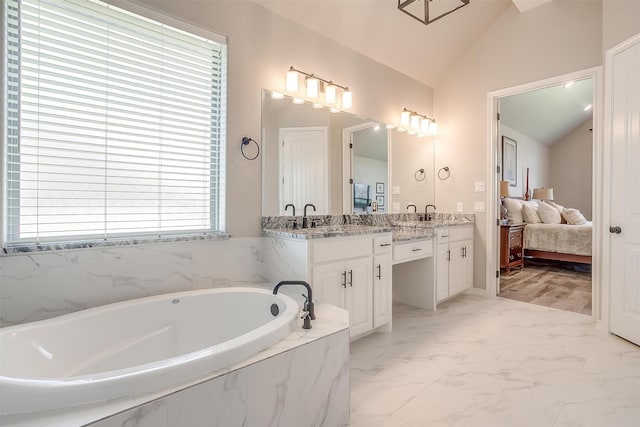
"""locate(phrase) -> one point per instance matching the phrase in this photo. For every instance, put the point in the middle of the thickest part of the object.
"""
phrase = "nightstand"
(511, 246)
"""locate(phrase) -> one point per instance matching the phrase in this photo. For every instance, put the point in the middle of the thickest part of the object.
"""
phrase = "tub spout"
(308, 303)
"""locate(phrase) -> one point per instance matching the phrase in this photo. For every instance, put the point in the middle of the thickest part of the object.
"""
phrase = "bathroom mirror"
(305, 155)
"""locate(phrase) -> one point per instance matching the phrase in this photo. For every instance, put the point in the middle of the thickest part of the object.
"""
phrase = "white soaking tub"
(136, 347)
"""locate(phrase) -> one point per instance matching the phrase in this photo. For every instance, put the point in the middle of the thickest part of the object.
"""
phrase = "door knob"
(615, 229)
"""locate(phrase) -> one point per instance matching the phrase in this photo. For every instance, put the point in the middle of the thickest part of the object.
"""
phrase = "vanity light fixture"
(418, 122)
(314, 86)
(430, 11)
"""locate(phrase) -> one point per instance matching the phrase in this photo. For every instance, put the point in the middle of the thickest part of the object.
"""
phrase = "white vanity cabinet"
(351, 272)
(454, 260)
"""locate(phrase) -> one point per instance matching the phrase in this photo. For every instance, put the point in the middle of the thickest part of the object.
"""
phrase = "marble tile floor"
(492, 362)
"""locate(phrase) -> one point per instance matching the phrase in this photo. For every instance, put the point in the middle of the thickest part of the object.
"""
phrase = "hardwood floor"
(562, 285)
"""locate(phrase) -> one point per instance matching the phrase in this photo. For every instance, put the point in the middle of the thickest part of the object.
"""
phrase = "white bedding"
(561, 238)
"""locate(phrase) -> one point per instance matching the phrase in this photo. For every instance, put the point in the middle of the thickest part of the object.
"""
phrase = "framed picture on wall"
(379, 187)
(510, 161)
(380, 200)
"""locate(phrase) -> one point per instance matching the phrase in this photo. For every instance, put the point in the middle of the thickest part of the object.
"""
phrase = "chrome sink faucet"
(305, 221)
(429, 215)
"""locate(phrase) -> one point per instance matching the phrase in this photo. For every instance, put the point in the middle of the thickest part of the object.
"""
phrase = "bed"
(546, 233)
(562, 242)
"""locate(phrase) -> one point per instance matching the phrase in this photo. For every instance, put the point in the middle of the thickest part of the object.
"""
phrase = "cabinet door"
(456, 270)
(442, 271)
(381, 289)
(461, 269)
(359, 295)
(329, 284)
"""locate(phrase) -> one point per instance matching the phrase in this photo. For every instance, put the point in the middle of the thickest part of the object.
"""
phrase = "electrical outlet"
(459, 207)
(478, 207)
(395, 189)
(479, 186)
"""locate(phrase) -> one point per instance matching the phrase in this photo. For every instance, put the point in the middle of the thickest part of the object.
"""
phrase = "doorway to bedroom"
(545, 154)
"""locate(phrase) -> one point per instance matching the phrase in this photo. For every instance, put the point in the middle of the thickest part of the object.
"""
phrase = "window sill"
(125, 241)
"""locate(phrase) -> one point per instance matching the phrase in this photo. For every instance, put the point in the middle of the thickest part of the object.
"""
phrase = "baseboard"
(476, 291)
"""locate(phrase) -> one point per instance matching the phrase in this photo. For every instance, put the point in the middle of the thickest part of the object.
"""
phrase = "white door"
(304, 168)
(623, 135)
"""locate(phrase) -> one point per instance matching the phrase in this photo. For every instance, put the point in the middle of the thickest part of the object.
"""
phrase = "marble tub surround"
(40, 285)
(308, 370)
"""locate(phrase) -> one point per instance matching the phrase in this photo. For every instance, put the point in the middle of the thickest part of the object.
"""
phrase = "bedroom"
(545, 146)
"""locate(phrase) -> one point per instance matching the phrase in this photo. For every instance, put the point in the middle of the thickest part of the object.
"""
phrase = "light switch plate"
(396, 207)
(459, 207)
(395, 189)
(479, 186)
(478, 207)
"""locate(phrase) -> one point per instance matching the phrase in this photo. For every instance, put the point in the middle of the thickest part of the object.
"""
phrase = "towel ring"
(245, 141)
(420, 172)
(444, 173)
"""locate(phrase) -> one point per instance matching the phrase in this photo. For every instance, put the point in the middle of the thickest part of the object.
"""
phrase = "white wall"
(572, 170)
(418, 154)
(620, 21)
(530, 154)
(551, 39)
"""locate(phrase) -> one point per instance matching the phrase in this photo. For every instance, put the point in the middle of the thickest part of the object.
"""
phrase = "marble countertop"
(402, 230)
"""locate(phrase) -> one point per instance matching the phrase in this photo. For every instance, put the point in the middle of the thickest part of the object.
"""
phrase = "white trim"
(492, 164)
(605, 199)
(476, 291)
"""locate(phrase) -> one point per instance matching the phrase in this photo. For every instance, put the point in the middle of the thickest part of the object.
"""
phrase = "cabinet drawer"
(443, 235)
(462, 232)
(412, 250)
(339, 249)
(382, 244)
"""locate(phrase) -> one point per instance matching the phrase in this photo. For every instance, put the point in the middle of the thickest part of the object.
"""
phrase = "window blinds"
(115, 124)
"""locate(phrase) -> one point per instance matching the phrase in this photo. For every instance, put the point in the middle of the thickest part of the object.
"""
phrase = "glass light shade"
(415, 122)
(330, 94)
(404, 118)
(298, 101)
(313, 87)
(292, 81)
(347, 100)
(433, 128)
(424, 126)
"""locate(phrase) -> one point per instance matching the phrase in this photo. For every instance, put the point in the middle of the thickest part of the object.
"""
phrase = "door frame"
(493, 235)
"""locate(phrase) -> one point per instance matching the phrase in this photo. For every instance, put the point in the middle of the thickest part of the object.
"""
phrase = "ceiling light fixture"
(315, 85)
(418, 122)
(428, 11)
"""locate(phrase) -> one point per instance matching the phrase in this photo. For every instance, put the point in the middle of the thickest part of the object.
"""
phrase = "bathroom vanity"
(364, 268)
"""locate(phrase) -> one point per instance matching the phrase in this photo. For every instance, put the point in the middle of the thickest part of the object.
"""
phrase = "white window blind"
(115, 125)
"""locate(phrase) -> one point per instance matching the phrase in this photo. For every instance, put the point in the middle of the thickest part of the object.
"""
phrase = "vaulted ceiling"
(377, 29)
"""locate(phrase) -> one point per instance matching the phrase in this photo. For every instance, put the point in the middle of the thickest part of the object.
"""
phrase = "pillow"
(514, 210)
(530, 215)
(573, 216)
(560, 208)
(548, 214)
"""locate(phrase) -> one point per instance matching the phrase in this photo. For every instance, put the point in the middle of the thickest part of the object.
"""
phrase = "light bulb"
(292, 81)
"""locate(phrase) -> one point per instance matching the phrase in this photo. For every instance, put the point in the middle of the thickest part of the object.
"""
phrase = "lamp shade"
(543, 193)
(504, 188)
